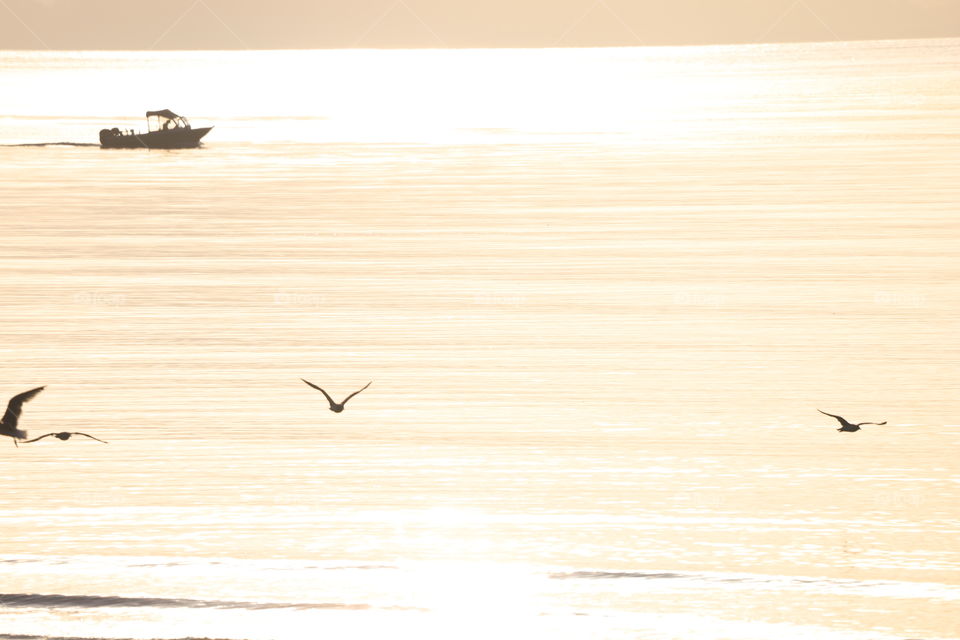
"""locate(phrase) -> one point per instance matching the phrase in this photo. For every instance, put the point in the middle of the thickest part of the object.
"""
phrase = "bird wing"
(832, 416)
(80, 433)
(879, 424)
(356, 392)
(325, 394)
(15, 406)
(46, 435)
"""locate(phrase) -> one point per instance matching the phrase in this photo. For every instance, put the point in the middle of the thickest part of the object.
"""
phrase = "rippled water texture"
(600, 295)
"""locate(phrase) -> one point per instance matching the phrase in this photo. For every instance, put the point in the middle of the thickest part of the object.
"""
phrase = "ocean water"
(600, 295)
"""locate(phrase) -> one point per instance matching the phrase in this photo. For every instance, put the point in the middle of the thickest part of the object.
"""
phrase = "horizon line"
(491, 48)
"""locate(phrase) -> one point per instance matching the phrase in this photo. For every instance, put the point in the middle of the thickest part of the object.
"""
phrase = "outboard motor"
(107, 134)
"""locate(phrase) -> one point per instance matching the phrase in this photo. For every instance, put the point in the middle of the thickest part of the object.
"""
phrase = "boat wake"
(52, 144)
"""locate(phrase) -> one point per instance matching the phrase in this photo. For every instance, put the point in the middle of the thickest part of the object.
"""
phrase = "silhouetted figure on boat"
(65, 435)
(334, 406)
(8, 425)
(849, 426)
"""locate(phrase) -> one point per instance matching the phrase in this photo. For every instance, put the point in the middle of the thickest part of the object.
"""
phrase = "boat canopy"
(165, 119)
(163, 113)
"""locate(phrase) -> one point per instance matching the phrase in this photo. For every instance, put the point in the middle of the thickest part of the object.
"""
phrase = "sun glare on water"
(390, 96)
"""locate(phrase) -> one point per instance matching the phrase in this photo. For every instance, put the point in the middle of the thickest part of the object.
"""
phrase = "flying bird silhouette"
(334, 406)
(8, 425)
(849, 426)
(65, 435)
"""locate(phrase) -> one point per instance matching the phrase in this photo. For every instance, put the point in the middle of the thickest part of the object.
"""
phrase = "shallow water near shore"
(599, 308)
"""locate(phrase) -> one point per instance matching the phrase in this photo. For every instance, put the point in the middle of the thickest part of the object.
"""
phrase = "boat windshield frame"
(157, 122)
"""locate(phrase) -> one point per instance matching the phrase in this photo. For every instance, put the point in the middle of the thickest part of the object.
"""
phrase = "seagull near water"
(8, 425)
(334, 406)
(849, 426)
(64, 435)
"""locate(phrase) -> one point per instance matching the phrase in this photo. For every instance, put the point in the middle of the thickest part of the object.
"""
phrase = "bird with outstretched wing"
(64, 435)
(846, 425)
(8, 425)
(336, 407)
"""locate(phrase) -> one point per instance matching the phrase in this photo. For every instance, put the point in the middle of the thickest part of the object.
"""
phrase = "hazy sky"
(255, 24)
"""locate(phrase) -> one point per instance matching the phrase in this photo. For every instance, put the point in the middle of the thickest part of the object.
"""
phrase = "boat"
(165, 130)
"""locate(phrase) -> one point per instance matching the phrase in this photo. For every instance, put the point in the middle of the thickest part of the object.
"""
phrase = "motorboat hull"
(165, 139)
